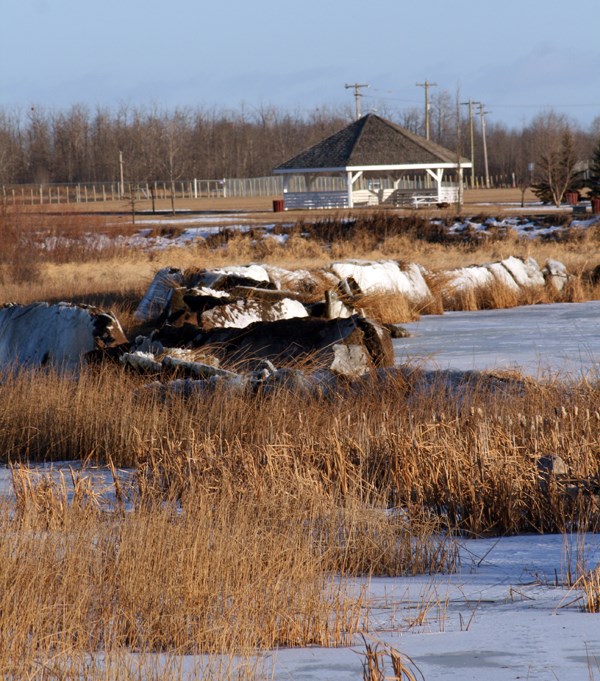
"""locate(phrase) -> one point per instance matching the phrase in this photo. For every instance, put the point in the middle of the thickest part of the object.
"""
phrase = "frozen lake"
(538, 339)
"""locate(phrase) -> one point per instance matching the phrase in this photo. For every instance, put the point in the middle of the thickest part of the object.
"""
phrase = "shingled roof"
(371, 141)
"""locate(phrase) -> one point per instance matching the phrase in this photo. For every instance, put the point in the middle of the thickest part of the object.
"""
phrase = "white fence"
(365, 188)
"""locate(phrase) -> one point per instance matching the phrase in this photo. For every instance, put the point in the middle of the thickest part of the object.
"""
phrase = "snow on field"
(191, 228)
(562, 337)
(526, 228)
(501, 616)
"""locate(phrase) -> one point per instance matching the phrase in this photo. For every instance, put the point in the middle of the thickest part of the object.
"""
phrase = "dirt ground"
(260, 209)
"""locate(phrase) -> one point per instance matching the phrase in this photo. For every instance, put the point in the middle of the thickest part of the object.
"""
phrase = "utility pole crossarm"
(357, 95)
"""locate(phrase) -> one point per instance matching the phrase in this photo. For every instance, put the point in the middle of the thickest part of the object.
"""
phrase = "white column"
(349, 188)
(437, 176)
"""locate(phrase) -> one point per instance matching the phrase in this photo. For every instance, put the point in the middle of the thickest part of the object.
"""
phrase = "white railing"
(309, 200)
(426, 197)
(361, 197)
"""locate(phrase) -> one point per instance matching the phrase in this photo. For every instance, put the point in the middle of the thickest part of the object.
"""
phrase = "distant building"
(372, 161)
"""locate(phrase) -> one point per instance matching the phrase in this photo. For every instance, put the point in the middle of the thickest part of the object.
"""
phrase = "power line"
(545, 106)
(391, 99)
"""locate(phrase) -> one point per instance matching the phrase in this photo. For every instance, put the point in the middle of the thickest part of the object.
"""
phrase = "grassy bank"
(53, 257)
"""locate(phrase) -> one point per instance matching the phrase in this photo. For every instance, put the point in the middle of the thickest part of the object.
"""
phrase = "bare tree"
(174, 141)
(555, 170)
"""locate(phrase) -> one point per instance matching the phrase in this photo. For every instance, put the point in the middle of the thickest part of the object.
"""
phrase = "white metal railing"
(309, 200)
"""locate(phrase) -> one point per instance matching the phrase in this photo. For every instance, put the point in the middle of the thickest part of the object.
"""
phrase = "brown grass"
(400, 443)
(249, 512)
(244, 507)
(223, 549)
(590, 585)
(115, 277)
(387, 308)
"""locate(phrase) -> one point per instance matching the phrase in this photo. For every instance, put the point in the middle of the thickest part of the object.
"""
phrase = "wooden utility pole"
(485, 155)
(357, 95)
(472, 136)
(121, 175)
(426, 85)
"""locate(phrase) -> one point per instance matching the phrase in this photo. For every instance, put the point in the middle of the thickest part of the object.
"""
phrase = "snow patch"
(40, 334)
(243, 312)
(385, 276)
(525, 272)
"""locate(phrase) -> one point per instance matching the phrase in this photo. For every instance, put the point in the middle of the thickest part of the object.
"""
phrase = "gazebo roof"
(372, 141)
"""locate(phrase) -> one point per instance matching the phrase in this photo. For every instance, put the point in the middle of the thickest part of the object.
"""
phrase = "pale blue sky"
(518, 56)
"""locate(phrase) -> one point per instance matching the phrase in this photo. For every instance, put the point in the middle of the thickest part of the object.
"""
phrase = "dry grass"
(380, 659)
(498, 296)
(246, 506)
(590, 585)
(387, 308)
(220, 552)
(115, 277)
(399, 443)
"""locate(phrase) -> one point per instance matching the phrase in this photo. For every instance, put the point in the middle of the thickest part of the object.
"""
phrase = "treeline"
(84, 145)
(81, 145)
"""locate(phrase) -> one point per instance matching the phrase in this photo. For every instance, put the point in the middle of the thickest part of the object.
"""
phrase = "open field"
(263, 206)
(49, 255)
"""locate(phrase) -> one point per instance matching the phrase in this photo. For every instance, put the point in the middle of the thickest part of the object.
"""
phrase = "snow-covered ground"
(560, 338)
(188, 229)
(501, 616)
(524, 227)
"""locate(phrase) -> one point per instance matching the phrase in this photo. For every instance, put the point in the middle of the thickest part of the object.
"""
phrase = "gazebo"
(372, 161)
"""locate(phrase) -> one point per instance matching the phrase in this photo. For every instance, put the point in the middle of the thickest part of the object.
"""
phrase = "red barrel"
(572, 198)
(596, 206)
(278, 205)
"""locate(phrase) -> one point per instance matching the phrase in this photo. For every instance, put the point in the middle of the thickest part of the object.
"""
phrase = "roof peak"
(370, 141)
